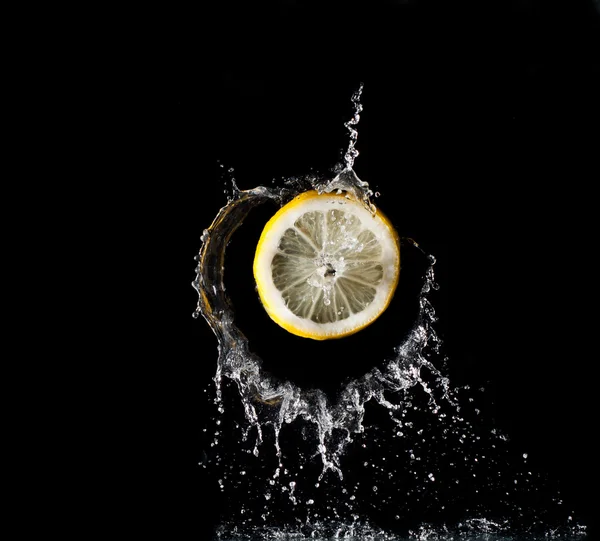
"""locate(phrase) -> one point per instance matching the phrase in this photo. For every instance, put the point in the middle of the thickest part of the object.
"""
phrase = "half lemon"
(325, 267)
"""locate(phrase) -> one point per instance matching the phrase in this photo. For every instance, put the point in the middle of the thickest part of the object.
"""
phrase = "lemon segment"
(325, 267)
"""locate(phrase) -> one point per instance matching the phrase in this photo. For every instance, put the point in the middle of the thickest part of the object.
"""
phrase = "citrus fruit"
(325, 266)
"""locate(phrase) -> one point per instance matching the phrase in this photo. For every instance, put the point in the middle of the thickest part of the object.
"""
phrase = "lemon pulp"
(326, 267)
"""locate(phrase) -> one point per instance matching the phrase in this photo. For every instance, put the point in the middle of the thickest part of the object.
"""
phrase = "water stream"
(400, 443)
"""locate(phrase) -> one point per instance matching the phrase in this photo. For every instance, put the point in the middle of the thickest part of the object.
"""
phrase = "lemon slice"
(325, 267)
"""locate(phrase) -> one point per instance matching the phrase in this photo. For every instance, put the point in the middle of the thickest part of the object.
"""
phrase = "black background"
(480, 131)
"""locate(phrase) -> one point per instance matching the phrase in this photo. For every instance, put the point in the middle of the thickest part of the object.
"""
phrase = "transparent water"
(400, 443)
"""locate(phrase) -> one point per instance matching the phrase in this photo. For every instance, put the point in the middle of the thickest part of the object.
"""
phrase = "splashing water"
(399, 441)
(237, 363)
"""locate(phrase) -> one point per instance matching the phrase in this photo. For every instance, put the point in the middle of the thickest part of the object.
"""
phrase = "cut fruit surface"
(325, 267)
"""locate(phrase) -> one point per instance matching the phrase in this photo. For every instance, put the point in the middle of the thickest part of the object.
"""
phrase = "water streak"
(352, 152)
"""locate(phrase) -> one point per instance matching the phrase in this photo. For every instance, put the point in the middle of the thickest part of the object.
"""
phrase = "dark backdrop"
(478, 129)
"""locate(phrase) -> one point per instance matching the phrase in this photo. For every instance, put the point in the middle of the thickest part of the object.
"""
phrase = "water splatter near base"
(477, 529)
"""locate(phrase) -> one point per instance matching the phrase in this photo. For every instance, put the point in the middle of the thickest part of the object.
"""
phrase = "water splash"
(425, 452)
(288, 401)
